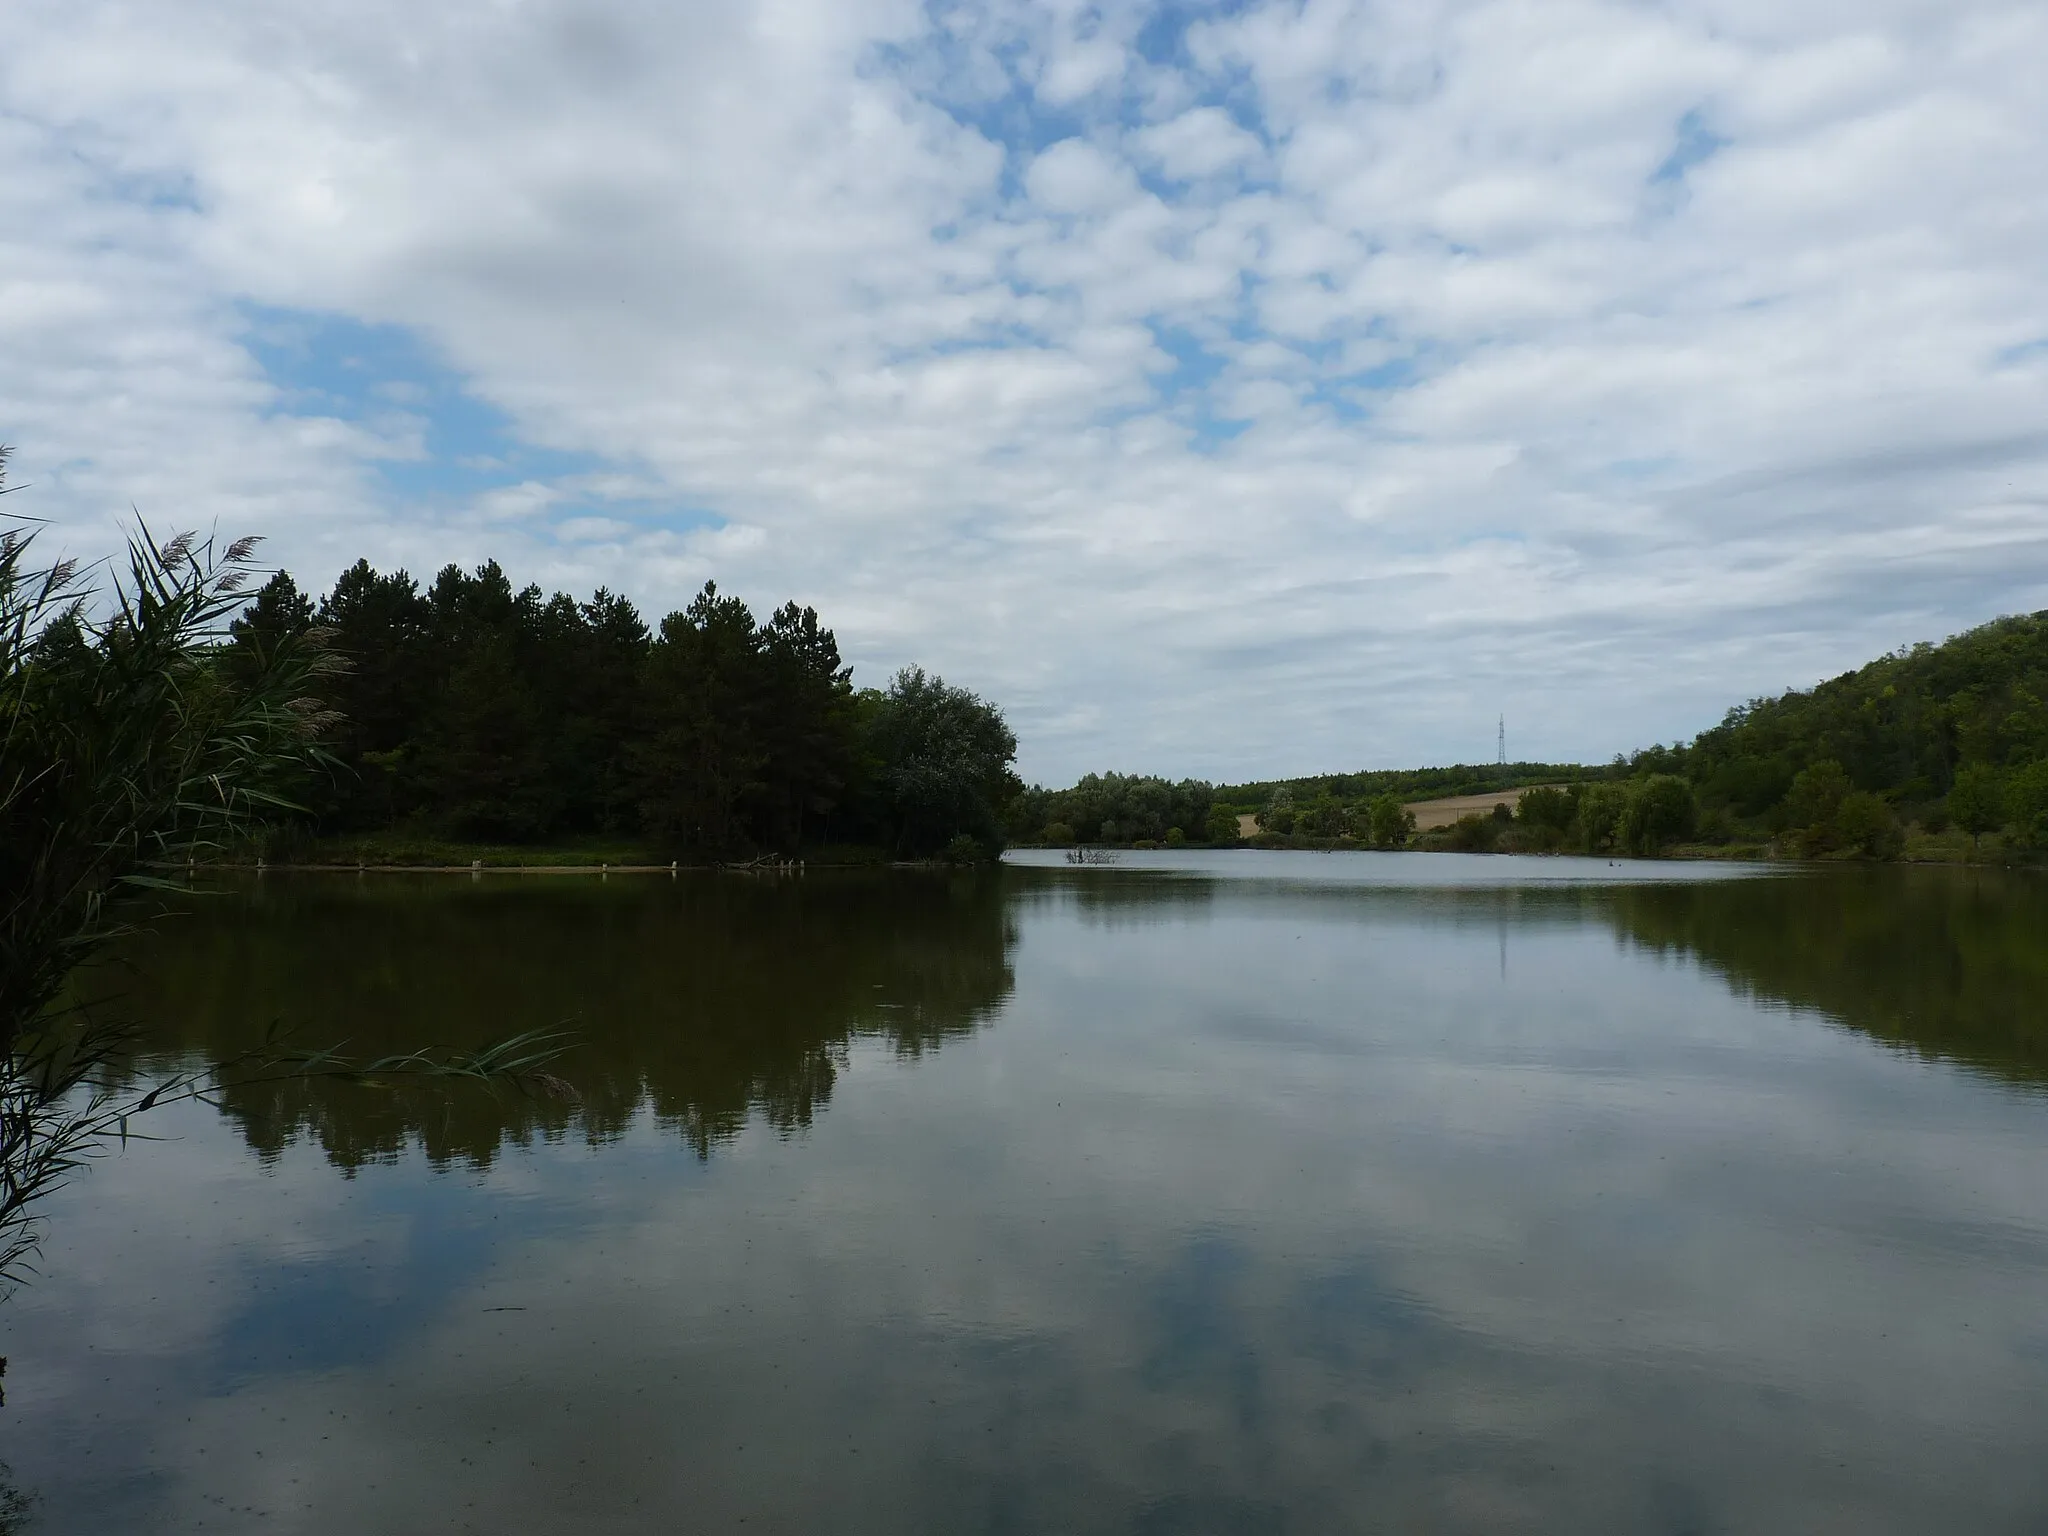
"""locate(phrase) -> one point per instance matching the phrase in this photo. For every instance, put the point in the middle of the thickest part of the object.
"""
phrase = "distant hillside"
(1942, 740)
(1407, 783)
(1903, 726)
(1938, 739)
(1123, 808)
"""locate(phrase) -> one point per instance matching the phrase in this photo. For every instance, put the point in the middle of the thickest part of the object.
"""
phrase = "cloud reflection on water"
(1224, 1205)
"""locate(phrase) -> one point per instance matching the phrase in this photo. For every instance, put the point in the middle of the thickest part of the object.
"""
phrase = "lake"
(1209, 1193)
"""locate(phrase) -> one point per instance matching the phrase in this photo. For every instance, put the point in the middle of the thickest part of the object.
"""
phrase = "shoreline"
(1746, 853)
(788, 867)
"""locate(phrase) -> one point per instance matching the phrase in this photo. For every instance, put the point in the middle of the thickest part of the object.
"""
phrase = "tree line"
(153, 715)
(1121, 808)
(1929, 738)
(1954, 734)
(472, 710)
(1364, 807)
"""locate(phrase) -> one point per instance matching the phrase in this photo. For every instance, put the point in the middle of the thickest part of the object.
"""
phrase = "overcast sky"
(1226, 390)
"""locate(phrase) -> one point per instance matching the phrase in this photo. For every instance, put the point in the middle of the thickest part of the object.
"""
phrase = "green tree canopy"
(942, 761)
(1389, 823)
(480, 710)
(1657, 812)
(1976, 800)
(1118, 808)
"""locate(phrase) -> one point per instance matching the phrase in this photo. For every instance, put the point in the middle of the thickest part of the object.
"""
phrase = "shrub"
(1976, 801)
(1866, 824)
(1175, 838)
(1389, 823)
(1519, 838)
(1600, 808)
(1474, 834)
(1058, 832)
(1321, 817)
(1815, 794)
(2026, 804)
(1546, 806)
(1657, 812)
(1716, 826)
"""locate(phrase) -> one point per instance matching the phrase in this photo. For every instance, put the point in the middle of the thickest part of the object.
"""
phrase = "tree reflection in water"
(714, 998)
(706, 999)
(1948, 963)
(16, 1508)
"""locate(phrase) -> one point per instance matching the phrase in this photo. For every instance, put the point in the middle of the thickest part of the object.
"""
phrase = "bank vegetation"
(1933, 752)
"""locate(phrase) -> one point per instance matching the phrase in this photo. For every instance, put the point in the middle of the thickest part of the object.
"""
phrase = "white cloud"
(1081, 71)
(1198, 143)
(1600, 365)
(1073, 176)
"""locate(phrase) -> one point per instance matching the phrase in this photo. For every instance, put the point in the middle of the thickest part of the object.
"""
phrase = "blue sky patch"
(389, 379)
(1195, 366)
(1696, 143)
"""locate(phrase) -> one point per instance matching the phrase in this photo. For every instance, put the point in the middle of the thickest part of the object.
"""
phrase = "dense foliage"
(121, 743)
(477, 711)
(1365, 807)
(129, 739)
(1118, 808)
(1404, 784)
(1930, 737)
(1955, 733)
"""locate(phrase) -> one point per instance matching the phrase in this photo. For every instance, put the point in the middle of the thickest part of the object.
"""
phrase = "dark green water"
(1256, 1193)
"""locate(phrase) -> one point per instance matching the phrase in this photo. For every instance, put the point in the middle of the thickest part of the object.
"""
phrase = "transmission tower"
(1501, 741)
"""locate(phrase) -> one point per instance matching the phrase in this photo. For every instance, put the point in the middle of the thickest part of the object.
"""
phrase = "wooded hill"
(1929, 737)
(1407, 783)
(1950, 732)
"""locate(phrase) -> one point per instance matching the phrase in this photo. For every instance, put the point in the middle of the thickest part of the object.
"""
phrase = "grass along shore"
(399, 851)
(1920, 847)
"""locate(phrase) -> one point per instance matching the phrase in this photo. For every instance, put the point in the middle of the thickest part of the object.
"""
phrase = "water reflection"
(1306, 1196)
(1948, 963)
(709, 1000)
(17, 1509)
(706, 999)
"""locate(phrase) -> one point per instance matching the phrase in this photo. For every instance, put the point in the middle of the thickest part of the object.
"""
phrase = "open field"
(1432, 813)
(1442, 813)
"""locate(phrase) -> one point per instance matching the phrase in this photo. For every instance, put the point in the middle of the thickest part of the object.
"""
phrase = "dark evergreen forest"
(472, 710)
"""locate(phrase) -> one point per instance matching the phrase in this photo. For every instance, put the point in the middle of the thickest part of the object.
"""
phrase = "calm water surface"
(1242, 1193)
